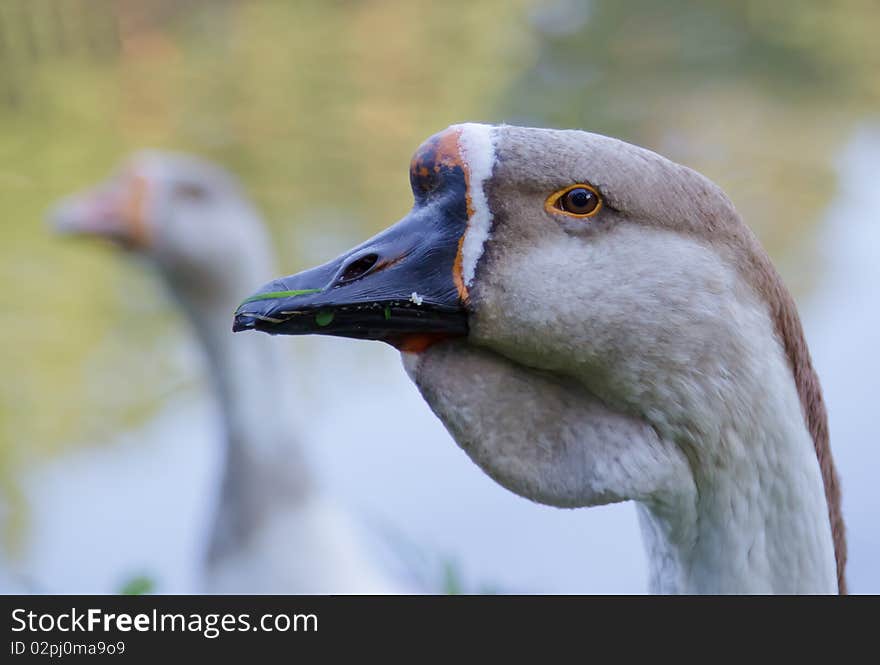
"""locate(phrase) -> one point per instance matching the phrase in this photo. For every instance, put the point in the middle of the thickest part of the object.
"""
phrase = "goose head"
(592, 323)
(184, 215)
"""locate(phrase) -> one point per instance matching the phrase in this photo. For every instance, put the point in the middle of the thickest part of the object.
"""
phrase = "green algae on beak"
(324, 318)
(277, 295)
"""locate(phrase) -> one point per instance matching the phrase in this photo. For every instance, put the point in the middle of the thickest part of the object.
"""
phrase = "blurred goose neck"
(264, 470)
(246, 376)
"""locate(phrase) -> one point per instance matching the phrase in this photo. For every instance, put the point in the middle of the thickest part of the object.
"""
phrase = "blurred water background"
(108, 453)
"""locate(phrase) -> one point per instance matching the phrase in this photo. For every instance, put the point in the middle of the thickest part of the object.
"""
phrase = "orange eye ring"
(579, 200)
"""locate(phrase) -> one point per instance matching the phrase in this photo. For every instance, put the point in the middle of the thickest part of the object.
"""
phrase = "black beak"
(397, 286)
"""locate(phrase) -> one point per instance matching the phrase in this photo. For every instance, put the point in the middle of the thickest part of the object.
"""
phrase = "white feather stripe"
(477, 145)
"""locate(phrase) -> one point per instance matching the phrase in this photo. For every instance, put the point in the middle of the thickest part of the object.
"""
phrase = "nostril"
(358, 268)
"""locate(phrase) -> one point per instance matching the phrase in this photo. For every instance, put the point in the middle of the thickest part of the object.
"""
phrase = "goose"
(594, 323)
(274, 530)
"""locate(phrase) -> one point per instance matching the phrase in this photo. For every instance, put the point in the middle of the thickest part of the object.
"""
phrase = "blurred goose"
(594, 323)
(273, 531)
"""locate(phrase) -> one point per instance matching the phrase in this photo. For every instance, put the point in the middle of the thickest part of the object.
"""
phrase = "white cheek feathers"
(477, 146)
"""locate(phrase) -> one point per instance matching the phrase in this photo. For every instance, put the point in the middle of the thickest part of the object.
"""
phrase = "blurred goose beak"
(115, 211)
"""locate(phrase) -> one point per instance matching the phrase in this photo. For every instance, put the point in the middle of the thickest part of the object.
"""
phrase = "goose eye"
(578, 201)
(188, 191)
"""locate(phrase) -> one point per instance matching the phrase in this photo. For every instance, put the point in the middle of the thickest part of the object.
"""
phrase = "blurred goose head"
(612, 331)
(188, 216)
(274, 531)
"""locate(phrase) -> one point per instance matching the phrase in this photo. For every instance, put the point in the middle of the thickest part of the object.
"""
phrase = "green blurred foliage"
(138, 585)
(453, 585)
